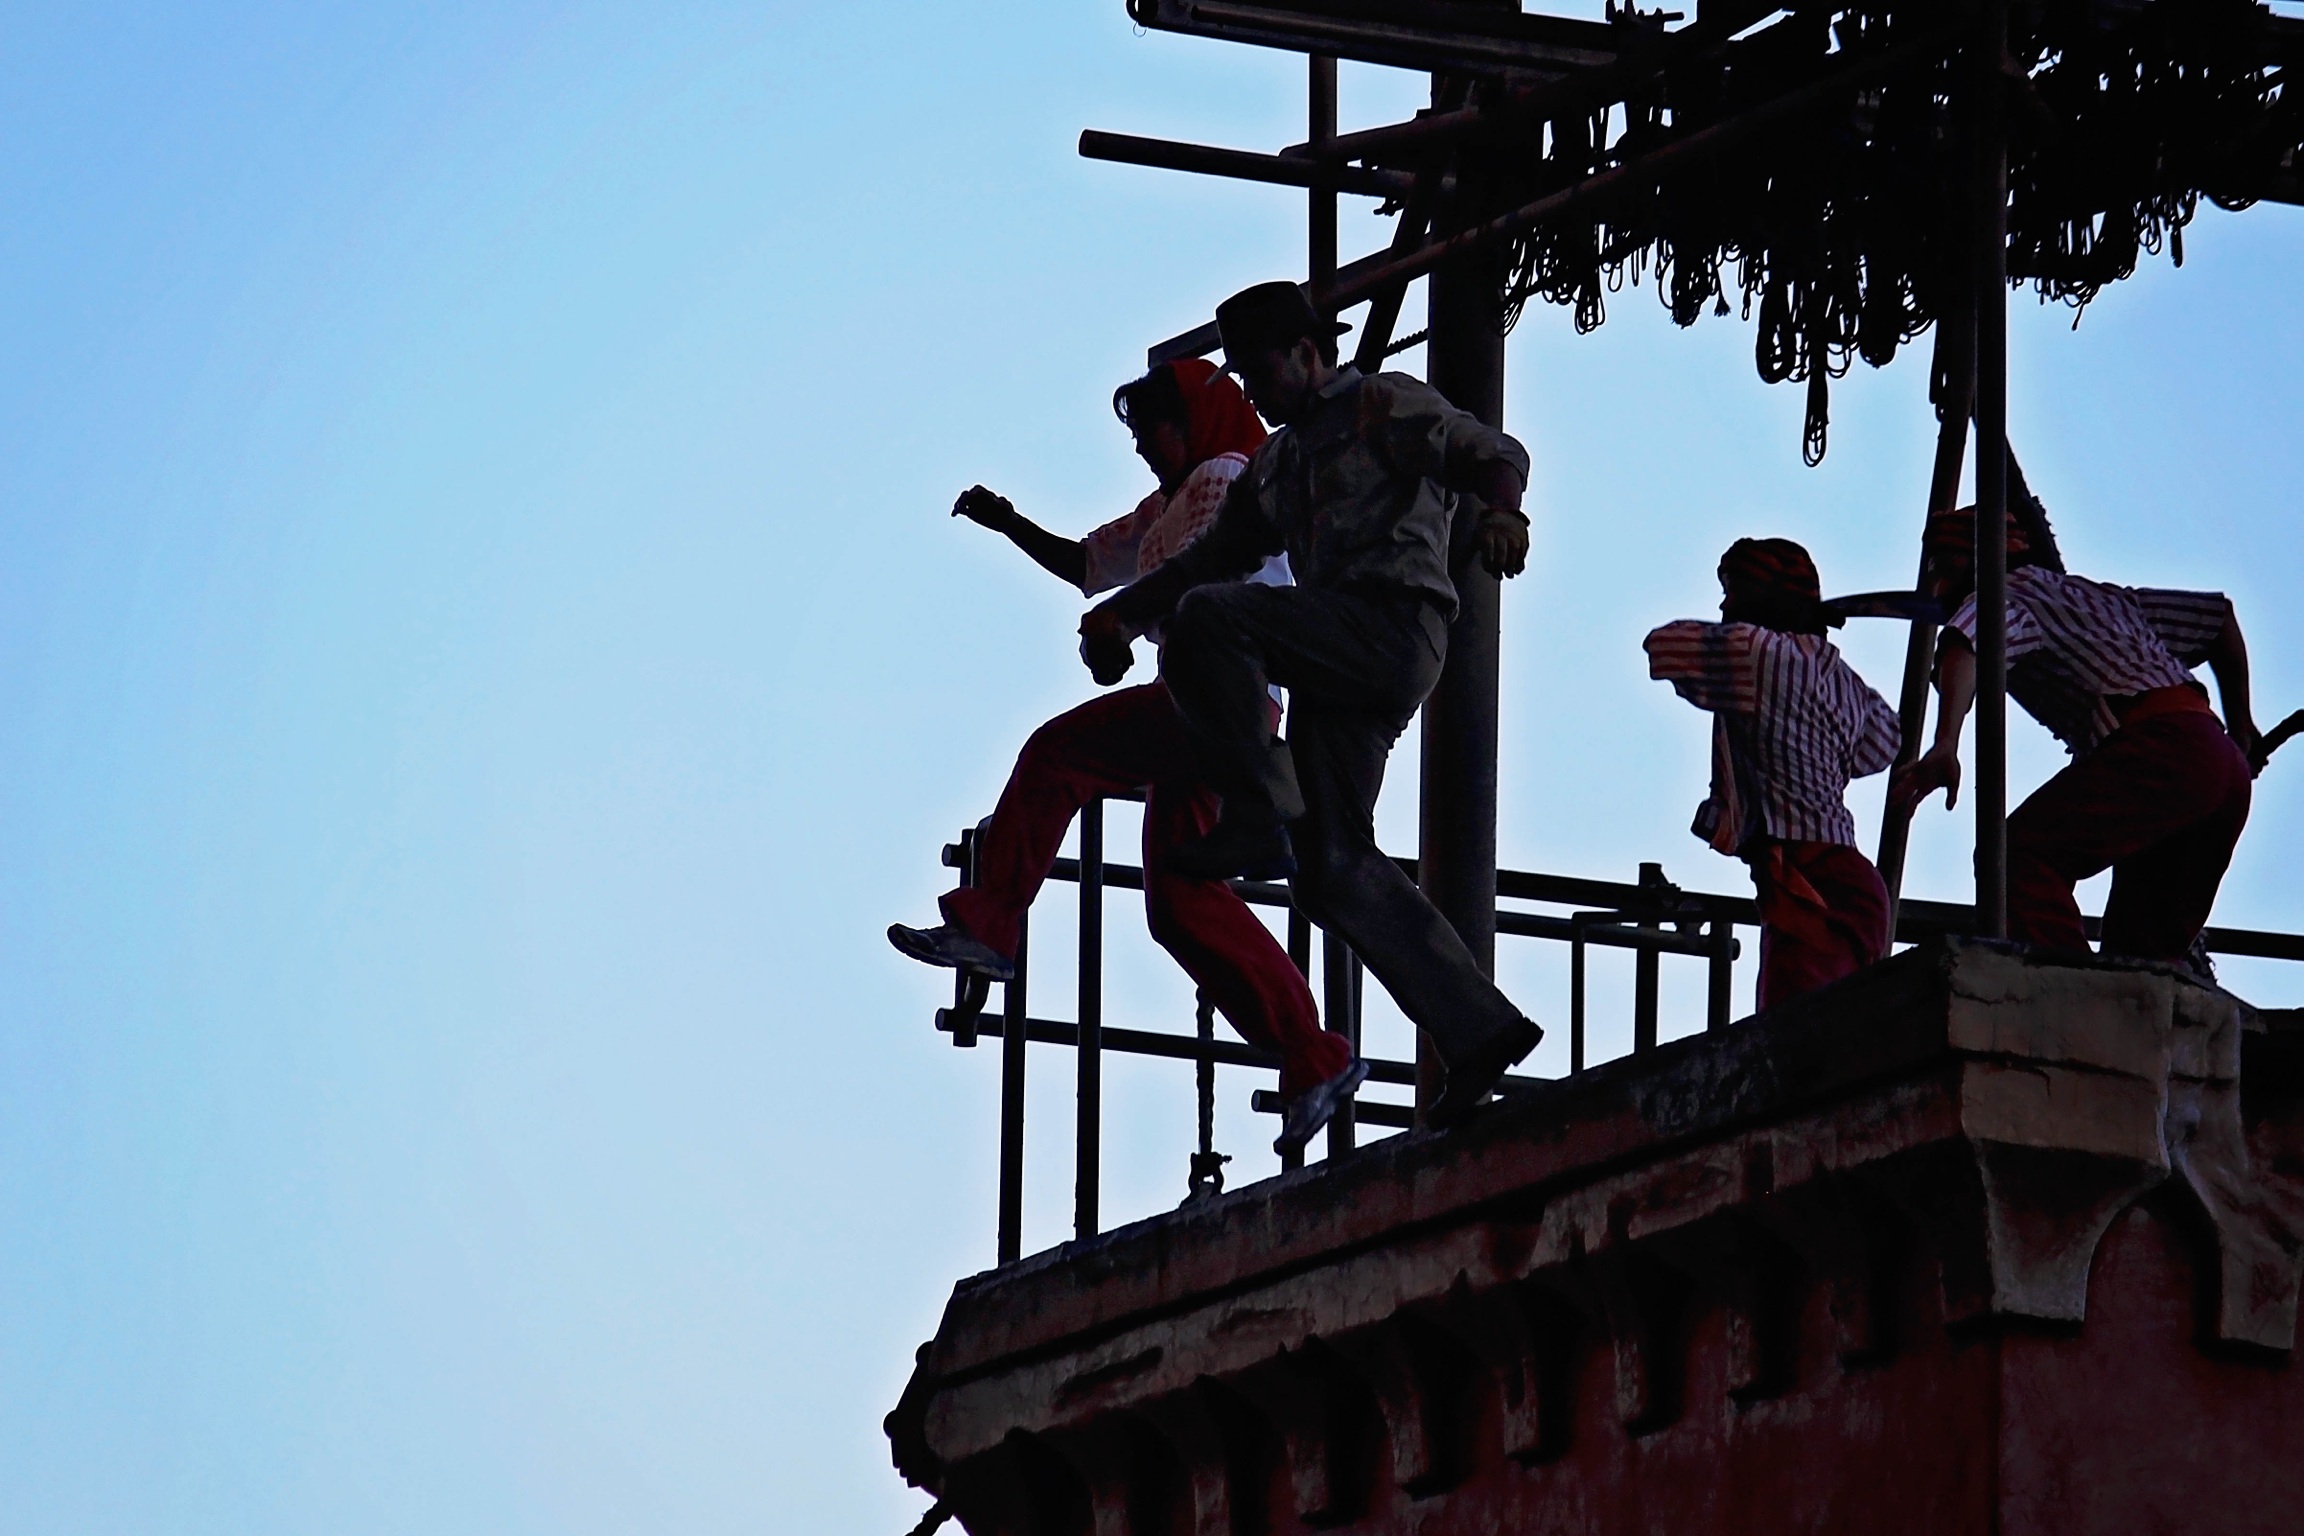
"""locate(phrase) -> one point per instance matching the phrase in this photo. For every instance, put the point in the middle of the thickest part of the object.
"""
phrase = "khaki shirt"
(1361, 494)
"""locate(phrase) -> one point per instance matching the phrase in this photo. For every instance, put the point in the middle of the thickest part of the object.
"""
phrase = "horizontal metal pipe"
(1632, 173)
(2245, 941)
(1364, 1111)
(1421, 130)
(1610, 936)
(1586, 91)
(1241, 165)
(1149, 1042)
(1916, 920)
(1364, 278)
(1202, 339)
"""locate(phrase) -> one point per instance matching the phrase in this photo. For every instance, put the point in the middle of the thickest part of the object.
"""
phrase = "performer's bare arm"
(1065, 559)
(2228, 659)
(1939, 766)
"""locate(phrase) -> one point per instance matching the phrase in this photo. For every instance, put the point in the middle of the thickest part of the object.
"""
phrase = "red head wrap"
(1948, 549)
(1772, 583)
(1218, 418)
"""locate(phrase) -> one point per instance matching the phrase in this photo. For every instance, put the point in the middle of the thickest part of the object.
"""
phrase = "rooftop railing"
(1652, 917)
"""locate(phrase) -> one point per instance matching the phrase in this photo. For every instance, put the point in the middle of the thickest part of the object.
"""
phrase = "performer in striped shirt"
(2157, 789)
(1791, 724)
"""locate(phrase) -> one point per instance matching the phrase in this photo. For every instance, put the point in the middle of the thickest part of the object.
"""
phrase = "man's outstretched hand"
(986, 509)
(1107, 645)
(1937, 768)
(1504, 543)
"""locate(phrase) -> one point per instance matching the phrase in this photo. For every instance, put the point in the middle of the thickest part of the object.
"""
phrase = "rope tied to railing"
(1206, 1178)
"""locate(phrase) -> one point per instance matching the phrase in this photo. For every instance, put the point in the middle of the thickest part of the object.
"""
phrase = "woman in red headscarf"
(1195, 431)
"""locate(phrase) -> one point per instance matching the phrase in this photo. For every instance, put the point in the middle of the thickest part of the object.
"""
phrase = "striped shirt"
(1792, 724)
(2074, 645)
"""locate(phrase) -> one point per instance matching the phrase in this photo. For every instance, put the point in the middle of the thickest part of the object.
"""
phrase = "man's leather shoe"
(1316, 1106)
(1231, 851)
(947, 946)
(1474, 1075)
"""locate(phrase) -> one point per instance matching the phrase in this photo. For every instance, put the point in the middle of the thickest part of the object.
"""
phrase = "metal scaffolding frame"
(1650, 916)
(1507, 81)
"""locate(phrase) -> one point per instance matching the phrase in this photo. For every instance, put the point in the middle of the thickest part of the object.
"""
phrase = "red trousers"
(1823, 915)
(1133, 738)
(2161, 801)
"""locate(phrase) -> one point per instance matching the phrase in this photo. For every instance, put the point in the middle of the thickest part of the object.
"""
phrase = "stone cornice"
(1993, 1111)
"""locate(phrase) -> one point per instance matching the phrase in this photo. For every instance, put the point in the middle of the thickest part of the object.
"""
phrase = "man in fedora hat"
(1374, 486)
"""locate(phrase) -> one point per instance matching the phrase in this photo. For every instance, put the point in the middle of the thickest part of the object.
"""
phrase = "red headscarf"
(1948, 549)
(1772, 583)
(1218, 418)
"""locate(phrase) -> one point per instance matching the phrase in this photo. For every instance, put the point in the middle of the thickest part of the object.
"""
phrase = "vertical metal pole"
(1337, 961)
(1723, 937)
(1992, 478)
(1321, 213)
(1576, 948)
(1013, 1027)
(1955, 370)
(1456, 852)
(1644, 973)
(967, 988)
(1340, 1003)
(1300, 941)
(1644, 995)
(1091, 1106)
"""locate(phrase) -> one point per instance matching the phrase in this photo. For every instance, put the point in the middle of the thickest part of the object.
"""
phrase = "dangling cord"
(1207, 1176)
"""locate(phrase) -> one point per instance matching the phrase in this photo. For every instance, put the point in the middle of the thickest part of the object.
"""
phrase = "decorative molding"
(1726, 1200)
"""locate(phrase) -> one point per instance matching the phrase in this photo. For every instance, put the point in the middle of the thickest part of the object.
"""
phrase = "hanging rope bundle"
(1843, 230)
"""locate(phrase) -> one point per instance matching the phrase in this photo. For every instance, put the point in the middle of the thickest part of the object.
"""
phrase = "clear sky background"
(483, 655)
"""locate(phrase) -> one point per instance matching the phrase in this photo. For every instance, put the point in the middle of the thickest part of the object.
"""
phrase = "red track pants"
(1125, 740)
(2161, 801)
(1823, 914)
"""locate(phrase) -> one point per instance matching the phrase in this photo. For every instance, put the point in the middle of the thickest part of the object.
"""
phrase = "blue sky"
(482, 656)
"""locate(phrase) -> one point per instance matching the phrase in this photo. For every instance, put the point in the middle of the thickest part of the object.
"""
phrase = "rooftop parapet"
(1973, 1241)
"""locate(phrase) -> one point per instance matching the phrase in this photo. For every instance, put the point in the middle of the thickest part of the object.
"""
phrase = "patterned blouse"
(1163, 527)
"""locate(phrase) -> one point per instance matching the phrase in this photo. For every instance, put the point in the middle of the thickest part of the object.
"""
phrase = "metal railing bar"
(1721, 974)
(1264, 1101)
(2250, 941)
(1610, 936)
(1010, 1239)
(1088, 1145)
(1576, 1032)
(1651, 918)
(1226, 1053)
(1916, 919)
(1340, 1011)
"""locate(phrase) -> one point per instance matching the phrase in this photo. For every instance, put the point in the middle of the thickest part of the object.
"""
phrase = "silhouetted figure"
(1195, 430)
(1791, 724)
(1359, 487)
(2157, 790)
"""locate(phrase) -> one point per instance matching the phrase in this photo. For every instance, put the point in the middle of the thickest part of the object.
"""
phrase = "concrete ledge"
(1934, 1150)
